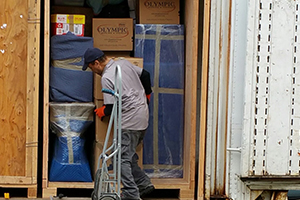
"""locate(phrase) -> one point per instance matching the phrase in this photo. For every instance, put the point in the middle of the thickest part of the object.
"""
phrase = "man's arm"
(146, 82)
(106, 109)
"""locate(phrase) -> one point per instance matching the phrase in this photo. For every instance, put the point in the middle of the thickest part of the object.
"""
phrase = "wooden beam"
(203, 108)
(32, 102)
(46, 92)
(191, 66)
(15, 180)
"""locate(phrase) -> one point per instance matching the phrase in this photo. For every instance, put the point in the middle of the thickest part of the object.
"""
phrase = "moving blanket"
(162, 49)
(68, 83)
(69, 121)
(69, 46)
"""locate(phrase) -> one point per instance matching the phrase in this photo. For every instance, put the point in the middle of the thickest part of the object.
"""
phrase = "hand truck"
(107, 183)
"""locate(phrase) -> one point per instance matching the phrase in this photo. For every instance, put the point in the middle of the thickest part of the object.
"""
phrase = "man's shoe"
(128, 198)
(146, 190)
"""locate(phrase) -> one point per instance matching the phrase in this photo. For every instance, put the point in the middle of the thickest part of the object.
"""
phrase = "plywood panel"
(33, 42)
(13, 83)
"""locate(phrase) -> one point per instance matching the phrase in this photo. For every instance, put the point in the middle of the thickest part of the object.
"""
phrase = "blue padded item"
(70, 85)
(69, 122)
(61, 169)
(162, 49)
(69, 46)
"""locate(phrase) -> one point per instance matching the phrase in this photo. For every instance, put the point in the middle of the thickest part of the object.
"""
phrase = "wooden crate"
(186, 185)
(19, 90)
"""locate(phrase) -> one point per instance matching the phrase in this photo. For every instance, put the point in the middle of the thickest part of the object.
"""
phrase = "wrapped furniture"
(162, 49)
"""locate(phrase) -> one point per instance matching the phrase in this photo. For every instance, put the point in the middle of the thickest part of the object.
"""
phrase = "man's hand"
(100, 112)
(148, 97)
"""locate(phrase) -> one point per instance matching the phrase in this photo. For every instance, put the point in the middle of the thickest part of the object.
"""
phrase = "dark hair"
(101, 59)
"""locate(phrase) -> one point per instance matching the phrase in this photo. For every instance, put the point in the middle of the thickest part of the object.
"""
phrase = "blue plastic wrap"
(162, 49)
(61, 169)
(69, 121)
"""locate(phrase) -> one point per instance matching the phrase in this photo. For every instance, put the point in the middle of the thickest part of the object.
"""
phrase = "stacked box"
(101, 127)
(162, 49)
(61, 24)
(158, 12)
(76, 10)
(113, 34)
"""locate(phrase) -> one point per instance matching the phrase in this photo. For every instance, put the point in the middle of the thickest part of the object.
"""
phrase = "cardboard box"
(114, 54)
(113, 34)
(97, 78)
(136, 61)
(101, 126)
(100, 135)
(86, 11)
(158, 11)
(98, 148)
(62, 23)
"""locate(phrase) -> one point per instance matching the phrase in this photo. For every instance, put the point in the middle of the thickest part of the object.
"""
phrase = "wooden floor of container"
(82, 198)
(84, 194)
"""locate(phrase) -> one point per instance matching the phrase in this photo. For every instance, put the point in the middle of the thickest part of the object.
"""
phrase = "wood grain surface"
(13, 83)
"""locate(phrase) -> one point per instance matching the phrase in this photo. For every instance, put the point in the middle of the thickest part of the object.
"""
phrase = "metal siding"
(217, 99)
(236, 97)
(271, 117)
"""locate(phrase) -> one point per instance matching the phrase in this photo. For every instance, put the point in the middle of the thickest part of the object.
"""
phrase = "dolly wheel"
(107, 198)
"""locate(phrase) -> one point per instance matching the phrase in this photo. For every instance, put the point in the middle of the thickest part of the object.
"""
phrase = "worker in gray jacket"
(136, 93)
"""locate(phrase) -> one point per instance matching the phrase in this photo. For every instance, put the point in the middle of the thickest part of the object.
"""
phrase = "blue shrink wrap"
(162, 48)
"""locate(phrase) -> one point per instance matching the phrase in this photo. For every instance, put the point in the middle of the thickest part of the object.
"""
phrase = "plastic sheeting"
(68, 83)
(162, 50)
(69, 121)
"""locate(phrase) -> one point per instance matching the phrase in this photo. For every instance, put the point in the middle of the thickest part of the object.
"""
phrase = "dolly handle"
(104, 90)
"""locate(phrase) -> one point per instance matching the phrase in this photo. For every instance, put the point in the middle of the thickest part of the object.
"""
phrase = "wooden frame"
(186, 185)
(203, 108)
(32, 30)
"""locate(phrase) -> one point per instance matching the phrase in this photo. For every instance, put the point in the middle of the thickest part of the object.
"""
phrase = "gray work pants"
(132, 176)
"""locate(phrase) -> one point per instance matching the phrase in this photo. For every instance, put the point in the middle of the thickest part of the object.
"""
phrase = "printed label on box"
(163, 6)
(62, 29)
(113, 34)
(113, 31)
(159, 11)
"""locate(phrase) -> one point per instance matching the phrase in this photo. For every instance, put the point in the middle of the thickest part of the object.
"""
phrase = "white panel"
(262, 87)
(280, 88)
(249, 91)
(294, 138)
(236, 96)
(271, 127)
(212, 102)
(217, 98)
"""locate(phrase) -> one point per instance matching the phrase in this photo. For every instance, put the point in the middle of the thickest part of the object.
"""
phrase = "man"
(136, 93)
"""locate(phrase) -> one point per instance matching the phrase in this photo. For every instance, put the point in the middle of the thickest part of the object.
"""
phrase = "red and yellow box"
(63, 23)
